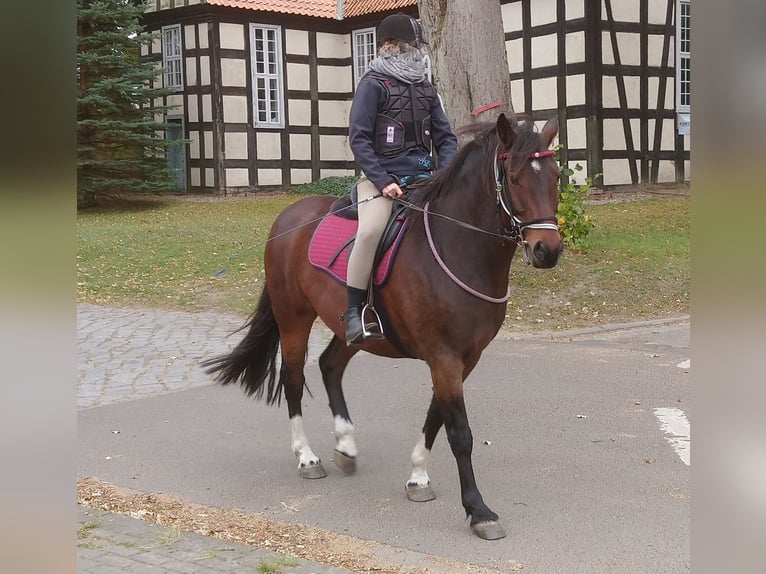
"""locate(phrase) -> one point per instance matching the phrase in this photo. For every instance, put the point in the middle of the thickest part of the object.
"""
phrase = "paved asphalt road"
(579, 441)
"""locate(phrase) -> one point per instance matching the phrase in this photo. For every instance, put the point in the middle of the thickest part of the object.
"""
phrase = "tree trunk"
(469, 62)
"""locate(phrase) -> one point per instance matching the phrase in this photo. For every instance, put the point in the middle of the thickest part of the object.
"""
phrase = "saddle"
(334, 237)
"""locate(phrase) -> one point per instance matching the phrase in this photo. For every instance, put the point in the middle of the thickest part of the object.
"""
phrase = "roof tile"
(317, 8)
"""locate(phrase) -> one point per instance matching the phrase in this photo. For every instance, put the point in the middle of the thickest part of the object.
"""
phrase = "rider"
(395, 117)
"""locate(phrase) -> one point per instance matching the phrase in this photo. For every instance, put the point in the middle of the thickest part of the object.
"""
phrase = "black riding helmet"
(400, 27)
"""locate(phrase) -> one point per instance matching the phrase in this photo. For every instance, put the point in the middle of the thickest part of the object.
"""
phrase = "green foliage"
(574, 223)
(120, 143)
(335, 185)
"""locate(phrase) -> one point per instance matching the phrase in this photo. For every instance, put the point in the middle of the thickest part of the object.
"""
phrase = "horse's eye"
(514, 181)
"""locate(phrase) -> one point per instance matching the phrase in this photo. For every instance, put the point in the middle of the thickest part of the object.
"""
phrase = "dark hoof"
(490, 530)
(417, 493)
(344, 462)
(313, 471)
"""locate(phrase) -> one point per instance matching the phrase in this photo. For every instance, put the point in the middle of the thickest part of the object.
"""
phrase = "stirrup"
(373, 331)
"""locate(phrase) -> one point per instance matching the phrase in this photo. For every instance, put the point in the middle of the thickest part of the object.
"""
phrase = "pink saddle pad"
(328, 252)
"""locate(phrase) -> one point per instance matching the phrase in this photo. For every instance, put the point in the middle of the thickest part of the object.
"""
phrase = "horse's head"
(526, 181)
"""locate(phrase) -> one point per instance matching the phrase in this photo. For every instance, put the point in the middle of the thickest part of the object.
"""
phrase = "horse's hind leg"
(332, 363)
(294, 348)
(418, 486)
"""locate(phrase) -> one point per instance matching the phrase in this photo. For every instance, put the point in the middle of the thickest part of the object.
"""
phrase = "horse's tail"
(253, 360)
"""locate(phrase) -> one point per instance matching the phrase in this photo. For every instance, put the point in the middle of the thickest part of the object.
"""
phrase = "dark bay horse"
(443, 302)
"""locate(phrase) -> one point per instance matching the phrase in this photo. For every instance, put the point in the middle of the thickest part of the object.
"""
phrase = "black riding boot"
(352, 318)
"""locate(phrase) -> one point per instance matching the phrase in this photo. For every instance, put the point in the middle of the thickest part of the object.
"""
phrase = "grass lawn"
(165, 252)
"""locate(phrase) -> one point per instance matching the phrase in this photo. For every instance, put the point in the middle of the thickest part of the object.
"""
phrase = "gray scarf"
(407, 64)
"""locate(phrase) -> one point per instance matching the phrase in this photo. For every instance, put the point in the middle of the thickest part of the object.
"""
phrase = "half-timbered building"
(263, 88)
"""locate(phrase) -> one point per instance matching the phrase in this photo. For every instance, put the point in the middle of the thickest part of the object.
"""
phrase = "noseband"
(516, 226)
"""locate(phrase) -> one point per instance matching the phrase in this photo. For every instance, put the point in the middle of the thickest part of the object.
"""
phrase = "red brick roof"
(353, 8)
(317, 8)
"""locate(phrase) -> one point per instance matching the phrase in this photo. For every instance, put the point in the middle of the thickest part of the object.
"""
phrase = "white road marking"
(687, 364)
(675, 425)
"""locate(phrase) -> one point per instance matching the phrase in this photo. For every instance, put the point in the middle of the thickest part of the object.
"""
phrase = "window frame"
(172, 64)
(274, 104)
(683, 57)
(355, 55)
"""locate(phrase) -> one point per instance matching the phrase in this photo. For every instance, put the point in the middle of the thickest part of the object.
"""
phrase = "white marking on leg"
(675, 425)
(300, 444)
(344, 436)
(419, 458)
(535, 165)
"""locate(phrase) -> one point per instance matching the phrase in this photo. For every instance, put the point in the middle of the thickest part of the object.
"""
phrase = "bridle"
(516, 226)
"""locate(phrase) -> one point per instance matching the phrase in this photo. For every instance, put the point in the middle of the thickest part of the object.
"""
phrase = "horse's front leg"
(292, 380)
(418, 486)
(448, 392)
(332, 364)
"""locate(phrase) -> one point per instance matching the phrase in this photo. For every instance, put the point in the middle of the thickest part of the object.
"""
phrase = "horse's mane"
(476, 159)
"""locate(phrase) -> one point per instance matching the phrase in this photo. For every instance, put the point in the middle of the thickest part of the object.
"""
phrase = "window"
(268, 109)
(171, 56)
(683, 63)
(364, 51)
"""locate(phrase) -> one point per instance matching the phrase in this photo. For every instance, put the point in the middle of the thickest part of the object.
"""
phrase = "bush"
(335, 185)
(574, 223)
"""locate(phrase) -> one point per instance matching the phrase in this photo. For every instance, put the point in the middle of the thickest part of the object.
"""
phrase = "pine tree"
(120, 129)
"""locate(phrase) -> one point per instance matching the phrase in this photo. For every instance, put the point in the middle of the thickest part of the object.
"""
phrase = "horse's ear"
(505, 131)
(550, 129)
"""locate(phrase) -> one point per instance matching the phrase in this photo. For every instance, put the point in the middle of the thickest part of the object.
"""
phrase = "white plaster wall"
(298, 176)
(204, 70)
(209, 177)
(237, 177)
(298, 77)
(299, 112)
(544, 93)
(191, 108)
(194, 145)
(610, 95)
(232, 36)
(233, 72)
(517, 95)
(334, 79)
(235, 109)
(189, 38)
(616, 172)
(208, 139)
(268, 145)
(654, 49)
(658, 10)
(511, 16)
(654, 87)
(196, 177)
(575, 90)
(334, 148)
(578, 177)
(628, 45)
(623, 10)
(335, 172)
(575, 9)
(297, 42)
(236, 145)
(333, 46)
(576, 133)
(177, 102)
(614, 136)
(667, 172)
(164, 4)
(543, 12)
(300, 147)
(269, 177)
(515, 52)
(334, 113)
(203, 36)
(544, 51)
(575, 47)
(191, 71)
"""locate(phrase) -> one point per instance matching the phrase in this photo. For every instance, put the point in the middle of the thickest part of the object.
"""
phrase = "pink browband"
(535, 155)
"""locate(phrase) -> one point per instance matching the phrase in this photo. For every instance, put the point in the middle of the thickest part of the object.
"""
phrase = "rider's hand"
(391, 190)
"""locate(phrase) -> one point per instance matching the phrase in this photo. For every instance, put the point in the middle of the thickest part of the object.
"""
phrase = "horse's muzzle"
(545, 256)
